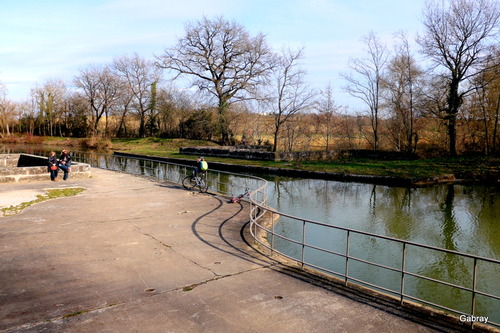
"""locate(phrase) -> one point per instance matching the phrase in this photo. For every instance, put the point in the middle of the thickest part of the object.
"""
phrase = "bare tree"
(140, 77)
(290, 94)
(222, 59)
(8, 112)
(102, 89)
(27, 117)
(403, 84)
(50, 98)
(486, 103)
(78, 124)
(365, 83)
(327, 117)
(174, 108)
(457, 33)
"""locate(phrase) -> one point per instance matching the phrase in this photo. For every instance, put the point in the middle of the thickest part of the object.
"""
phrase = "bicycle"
(197, 179)
(239, 197)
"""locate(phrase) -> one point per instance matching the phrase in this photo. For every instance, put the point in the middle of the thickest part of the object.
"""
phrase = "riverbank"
(420, 172)
(406, 180)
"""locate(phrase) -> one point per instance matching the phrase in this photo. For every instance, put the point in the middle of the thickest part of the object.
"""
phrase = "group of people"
(63, 163)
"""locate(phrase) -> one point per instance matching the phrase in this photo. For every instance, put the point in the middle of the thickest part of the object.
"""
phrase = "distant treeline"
(239, 90)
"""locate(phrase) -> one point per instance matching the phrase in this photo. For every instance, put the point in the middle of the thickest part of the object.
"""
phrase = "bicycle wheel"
(189, 182)
(203, 185)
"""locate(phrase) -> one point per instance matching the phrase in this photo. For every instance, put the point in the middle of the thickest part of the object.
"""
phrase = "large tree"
(485, 106)
(221, 58)
(456, 38)
(7, 112)
(50, 99)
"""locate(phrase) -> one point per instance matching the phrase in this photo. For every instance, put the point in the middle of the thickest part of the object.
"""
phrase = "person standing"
(65, 163)
(52, 166)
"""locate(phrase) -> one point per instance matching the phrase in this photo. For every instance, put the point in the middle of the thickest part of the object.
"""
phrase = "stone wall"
(257, 154)
(9, 160)
(378, 154)
(254, 153)
(27, 168)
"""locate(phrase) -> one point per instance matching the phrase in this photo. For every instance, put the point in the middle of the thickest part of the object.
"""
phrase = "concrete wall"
(27, 168)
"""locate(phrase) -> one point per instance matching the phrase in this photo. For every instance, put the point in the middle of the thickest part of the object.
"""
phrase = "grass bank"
(471, 168)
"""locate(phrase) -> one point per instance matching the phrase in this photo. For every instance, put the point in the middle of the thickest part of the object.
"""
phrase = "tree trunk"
(454, 102)
(275, 143)
(223, 123)
(495, 126)
(142, 127)
(452, 134)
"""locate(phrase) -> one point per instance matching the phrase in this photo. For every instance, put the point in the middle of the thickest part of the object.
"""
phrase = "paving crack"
(178, 253)
(220, 277)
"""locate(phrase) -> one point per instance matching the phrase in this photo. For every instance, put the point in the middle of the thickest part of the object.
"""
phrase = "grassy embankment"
(461, 167)
(480, 168)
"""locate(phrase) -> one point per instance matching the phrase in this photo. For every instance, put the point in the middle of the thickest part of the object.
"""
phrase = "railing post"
(272, 238)
(347, 257)
(473, 308)
(403, 268)
(303, 242)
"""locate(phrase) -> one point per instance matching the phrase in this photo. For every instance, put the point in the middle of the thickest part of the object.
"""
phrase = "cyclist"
(202, 167)
(198, 178)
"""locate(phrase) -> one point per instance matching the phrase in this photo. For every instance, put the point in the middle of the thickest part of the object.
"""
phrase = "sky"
(42, 40)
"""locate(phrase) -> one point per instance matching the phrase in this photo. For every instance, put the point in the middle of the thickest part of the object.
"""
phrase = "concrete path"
(134, 255)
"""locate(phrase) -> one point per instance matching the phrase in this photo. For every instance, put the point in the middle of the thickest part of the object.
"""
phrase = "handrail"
(224, 187)
(257, 229)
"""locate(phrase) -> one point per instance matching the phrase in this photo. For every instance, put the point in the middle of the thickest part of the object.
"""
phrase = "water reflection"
(455, 217)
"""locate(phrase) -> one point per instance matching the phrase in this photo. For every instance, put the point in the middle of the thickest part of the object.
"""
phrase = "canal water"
(463, 218)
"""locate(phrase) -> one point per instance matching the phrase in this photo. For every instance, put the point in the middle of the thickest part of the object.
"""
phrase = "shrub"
(96, 142)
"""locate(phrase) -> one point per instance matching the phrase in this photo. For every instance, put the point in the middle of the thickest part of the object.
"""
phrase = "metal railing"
(226, 183)
(263, 220)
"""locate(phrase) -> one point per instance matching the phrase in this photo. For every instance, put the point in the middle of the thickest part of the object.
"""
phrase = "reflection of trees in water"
(395, 212)
(461, 219)
(449, 223)
(444, 267)
(484, 206)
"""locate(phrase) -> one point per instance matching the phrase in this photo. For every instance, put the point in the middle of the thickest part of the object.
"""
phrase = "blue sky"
(44, 40)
